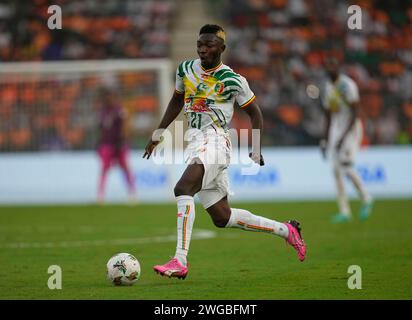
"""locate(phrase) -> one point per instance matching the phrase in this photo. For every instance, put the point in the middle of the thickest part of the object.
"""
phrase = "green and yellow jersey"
(210, 94)
(338, 96)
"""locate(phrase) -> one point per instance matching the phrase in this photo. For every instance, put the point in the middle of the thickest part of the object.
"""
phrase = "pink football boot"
(295, 238)
(172, 269)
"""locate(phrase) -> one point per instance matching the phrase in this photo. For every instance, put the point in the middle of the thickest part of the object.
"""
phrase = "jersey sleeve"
(245, 95)
(352, 92)
(179, 85)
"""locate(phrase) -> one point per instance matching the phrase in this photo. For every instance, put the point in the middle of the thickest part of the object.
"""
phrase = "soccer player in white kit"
(207, 90)
(343, 136)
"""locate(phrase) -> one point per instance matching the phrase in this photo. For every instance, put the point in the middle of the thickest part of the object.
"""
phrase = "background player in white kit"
(343, 136)
(207, 90)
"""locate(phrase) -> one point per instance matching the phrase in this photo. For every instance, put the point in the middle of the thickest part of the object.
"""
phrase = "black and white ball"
(123, 269)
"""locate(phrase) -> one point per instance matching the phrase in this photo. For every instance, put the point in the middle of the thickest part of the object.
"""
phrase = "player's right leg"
(188, 185)
(225, 217)
(122, 159)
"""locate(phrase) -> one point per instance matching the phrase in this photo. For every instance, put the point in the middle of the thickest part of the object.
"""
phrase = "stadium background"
(48, 136)
(277, 45)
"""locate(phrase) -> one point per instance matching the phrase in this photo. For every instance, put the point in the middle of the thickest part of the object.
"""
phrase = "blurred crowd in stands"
(91, 29)
(56, 113)
(278, 45)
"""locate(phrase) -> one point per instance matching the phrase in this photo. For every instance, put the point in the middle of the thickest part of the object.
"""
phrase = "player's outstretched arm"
(172, 111)
(256, 119)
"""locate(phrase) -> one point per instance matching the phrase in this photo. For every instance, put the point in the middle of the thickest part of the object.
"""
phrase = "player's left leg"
(351, 148)
(225, 217)
(344, 213)
(367, 202)
(122, 160)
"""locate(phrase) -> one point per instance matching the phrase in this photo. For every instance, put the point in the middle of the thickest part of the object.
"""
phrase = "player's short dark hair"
(210, 28)
(214, 29)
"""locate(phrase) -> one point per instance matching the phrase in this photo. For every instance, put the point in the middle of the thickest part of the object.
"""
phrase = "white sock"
(185, 219)
(246, 220)
(364, 195)
(343, 201)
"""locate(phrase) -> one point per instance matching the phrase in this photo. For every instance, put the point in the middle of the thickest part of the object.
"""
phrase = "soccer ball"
(123, 269)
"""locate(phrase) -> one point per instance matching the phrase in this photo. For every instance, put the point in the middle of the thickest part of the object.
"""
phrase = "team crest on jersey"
(219, 87)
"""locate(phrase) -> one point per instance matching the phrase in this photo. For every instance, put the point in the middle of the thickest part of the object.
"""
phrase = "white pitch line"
(198, 234)
(47, 229)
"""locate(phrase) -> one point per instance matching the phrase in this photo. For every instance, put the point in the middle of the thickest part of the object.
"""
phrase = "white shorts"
(214, 154)
(350, 145)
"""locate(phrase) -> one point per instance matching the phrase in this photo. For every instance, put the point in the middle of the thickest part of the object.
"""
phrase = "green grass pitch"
(233, 264)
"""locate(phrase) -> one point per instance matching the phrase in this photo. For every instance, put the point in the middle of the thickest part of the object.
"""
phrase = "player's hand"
(323, 146)
(257, 158)
(149, 148)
